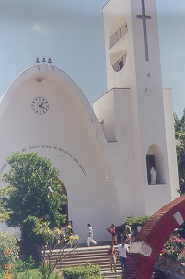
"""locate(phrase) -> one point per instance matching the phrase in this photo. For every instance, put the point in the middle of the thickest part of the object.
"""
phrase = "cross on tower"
(144, 18)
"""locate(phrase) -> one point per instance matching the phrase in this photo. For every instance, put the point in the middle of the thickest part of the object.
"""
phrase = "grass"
(35, 274)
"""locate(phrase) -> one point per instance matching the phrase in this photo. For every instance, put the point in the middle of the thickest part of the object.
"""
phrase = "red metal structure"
(154, 234)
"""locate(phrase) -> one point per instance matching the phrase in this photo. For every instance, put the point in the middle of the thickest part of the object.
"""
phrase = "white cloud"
(36, 28)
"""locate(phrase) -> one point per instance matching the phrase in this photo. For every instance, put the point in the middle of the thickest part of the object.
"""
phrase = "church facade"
(117, 158)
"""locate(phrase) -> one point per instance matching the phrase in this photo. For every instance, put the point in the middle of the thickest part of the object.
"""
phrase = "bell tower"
(131, 43)
(118, 44)
(133, 64)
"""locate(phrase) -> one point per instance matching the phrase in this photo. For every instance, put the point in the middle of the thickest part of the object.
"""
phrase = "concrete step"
(97, 255)
(79, 262)
(83, 259)
(103, 268)
(77, 252)
(76, 256)
(111, 275)
(83, 256)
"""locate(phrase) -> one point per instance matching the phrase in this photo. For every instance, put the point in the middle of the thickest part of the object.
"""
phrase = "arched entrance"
(153, 236)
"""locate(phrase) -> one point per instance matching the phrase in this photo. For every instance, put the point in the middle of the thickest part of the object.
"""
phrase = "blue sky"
(71, 31)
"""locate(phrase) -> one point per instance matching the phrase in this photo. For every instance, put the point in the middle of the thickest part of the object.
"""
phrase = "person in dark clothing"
(120, 233)
(112, 231)
(159, 275)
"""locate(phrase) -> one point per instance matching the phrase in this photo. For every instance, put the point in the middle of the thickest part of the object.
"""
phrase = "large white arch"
(69, 134)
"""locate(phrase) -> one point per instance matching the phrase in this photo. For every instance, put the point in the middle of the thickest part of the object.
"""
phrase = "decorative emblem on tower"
(118, 60)
(118, 34)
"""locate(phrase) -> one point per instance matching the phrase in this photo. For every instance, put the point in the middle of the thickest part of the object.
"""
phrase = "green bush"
(1, 273)
(8, 249)
(23, 265)
(174, 249)
(36, 192)
(136, 221)
(82, 272)
(34, 274)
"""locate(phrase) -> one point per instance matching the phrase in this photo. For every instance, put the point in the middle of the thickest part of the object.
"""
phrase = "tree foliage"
(175, 248)
(136, 221)
(180, 138)
(53, 238)
(8, 249)
(33, 189)
(87, 271)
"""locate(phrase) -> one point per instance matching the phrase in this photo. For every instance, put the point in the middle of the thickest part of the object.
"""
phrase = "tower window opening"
(154, 166)
(118, 61)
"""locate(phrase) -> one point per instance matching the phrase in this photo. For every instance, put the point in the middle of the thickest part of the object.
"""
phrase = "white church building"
(117, 158)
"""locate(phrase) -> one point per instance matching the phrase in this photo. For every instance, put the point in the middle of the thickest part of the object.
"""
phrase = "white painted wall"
(102, 165)
(114, 12)
(171, 142)
(150, 112)
(121, 153)
(104, 110)
(69, 124)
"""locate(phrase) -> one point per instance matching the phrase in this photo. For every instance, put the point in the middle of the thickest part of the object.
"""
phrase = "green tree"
(180, 138)
(8, 249)
(52, 238)
(34, 190)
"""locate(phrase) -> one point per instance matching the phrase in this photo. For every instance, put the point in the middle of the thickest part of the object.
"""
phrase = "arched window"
(118, 61)
(154, 166)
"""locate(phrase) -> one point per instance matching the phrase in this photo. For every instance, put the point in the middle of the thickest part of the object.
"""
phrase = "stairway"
(97, 255)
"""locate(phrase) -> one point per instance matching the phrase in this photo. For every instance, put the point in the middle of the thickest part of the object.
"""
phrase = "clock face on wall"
(40, 105)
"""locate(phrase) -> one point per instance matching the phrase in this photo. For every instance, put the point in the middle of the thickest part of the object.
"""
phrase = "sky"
(71, 32)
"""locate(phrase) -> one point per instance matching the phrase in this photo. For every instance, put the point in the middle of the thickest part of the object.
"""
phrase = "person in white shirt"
(123, 249)
(90, 238)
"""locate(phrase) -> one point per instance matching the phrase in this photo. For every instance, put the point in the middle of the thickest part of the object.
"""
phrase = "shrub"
(82, 272)
(181, 230)
(34, 274)
(136, 221)
(23, 265)
(175, 248)
(8, 249)
(35, 191)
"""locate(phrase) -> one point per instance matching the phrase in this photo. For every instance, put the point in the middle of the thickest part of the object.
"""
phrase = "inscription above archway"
(56, 148)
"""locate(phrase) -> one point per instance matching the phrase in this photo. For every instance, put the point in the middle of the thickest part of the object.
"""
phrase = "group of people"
(121, 232)
(121, 237)
(121, 252)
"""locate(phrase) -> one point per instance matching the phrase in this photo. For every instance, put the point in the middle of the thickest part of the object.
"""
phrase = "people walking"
(128, 232)
(123, 249)
(90, 238)
(112, 231)
(120, 231)
(113, 257)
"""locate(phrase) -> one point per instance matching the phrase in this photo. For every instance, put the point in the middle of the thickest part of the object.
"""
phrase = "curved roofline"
(43, 68)
(52, 70)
